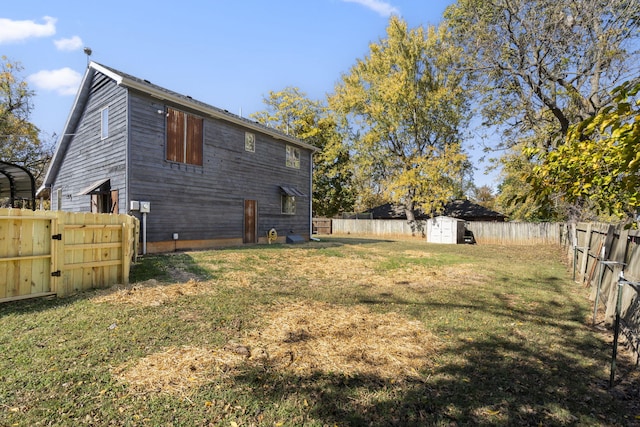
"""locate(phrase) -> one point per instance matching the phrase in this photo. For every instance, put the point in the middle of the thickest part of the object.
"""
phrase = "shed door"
(250, 221)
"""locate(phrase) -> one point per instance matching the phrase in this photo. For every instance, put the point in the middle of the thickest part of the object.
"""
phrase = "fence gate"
(27, 256)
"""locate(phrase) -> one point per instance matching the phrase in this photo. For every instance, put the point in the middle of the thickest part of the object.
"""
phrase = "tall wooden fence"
(484, 232)
(600, 253)
(58, 253)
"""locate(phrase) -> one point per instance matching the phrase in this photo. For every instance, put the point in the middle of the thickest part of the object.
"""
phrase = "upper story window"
(293, 157)
(184, 137)
(104, 123)
(249, 142)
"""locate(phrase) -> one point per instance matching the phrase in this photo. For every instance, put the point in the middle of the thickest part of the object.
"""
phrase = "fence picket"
(94, 251)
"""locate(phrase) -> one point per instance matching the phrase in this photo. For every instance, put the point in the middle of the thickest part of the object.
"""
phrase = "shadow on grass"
(498, 381)
(165, 269)
(171, 268)
(506, 376)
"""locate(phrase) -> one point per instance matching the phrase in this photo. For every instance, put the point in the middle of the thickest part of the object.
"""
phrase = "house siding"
(88, 157)
(204, 205)
(207, 202)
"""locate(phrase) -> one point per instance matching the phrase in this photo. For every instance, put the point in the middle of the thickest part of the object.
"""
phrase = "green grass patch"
(487, 335)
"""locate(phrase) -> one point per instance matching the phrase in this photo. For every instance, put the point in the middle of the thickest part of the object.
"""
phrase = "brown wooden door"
(250, 221)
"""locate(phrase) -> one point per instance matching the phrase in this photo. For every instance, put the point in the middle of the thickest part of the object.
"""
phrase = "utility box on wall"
(444, 229)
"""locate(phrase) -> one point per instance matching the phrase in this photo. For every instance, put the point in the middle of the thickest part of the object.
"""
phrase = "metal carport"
(16, 184)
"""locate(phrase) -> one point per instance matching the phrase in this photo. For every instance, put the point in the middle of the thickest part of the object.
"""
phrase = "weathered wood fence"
(600, 253)
(58, 253)
(512, 233)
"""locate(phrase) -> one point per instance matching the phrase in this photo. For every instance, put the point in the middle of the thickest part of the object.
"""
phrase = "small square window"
(250, 142)
(288, 204)
(293, 157)
(104, 123)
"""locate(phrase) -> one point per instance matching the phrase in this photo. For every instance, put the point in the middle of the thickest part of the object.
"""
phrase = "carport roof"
(16, 183)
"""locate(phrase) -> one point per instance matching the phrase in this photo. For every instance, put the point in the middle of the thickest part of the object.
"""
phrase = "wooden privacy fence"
(321, 225)
(484, 232)
(599, 253)
(58, 253)
(517, 233)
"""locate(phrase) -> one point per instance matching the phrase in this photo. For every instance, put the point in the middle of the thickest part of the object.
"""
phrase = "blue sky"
(229, 54)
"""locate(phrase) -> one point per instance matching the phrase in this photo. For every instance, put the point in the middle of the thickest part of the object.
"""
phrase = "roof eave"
(69, 127)
(215, 113)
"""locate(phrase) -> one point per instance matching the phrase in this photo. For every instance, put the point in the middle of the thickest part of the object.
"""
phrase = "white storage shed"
(445, 229)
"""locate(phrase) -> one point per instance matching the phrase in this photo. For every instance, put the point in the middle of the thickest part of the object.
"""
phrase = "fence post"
(599, 283)
(616, 328)
(616, 331)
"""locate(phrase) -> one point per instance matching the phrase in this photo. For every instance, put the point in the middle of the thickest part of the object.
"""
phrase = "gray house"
(197, 176)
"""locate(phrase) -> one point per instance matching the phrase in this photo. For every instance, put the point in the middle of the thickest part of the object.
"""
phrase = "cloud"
(74, 43)
(17, 31)
(64, 81)
(382, 8)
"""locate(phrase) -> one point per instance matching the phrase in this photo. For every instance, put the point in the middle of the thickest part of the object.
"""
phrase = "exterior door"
(250, 221)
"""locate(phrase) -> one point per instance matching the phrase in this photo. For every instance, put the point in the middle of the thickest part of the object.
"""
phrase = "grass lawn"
(334, 333)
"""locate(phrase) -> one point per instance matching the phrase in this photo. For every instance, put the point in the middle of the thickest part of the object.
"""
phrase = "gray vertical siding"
(198, 202)
(207, 202)
(89, 158)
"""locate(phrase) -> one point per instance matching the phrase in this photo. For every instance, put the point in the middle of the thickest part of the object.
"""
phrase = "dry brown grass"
(359, 269)
(150, 293)
(301, 338)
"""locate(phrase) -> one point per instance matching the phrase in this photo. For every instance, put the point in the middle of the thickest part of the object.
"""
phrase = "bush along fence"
(58, 253)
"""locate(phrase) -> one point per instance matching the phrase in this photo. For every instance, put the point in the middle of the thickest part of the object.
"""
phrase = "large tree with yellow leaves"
(404, 105)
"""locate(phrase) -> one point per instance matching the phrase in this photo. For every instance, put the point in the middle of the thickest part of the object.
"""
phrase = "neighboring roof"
(144, 86)
(461, 209)
(17, 183)
(467, 210)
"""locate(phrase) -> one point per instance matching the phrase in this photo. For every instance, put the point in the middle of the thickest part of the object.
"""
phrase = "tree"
(404, 106)
(541, 66)
(484, 196)
(19, 138)
(290, 111)
(600, 161)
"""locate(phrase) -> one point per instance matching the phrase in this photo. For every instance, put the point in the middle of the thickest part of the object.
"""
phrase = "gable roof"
(461, 209)
(146, 87)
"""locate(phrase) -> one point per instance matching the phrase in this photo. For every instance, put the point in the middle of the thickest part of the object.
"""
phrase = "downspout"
(315, 239)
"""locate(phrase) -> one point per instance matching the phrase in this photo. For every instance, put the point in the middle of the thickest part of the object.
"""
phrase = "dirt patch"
(300, 338)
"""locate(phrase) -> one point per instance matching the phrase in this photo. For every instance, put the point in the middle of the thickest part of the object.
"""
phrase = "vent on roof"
(147, 81)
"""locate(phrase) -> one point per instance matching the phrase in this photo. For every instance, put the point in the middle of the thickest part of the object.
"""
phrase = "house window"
(288, 204)
(293, 157)
(59, 199)
(250, 142)
(104, 123)
(184, 137)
